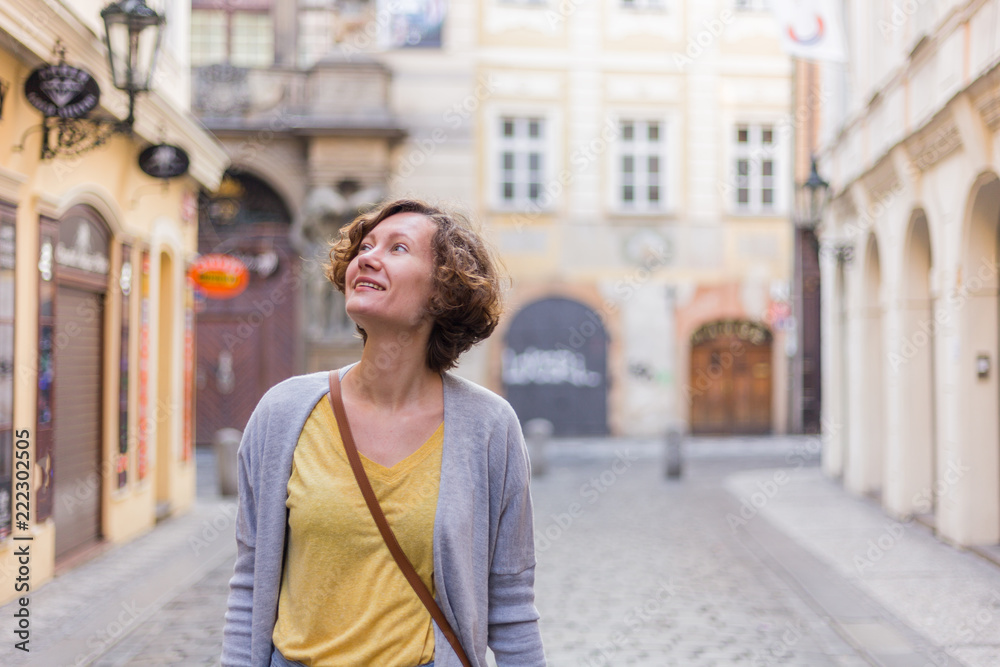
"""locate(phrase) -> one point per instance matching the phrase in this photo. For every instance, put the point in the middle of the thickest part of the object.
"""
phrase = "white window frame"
(755, 156)
(641, 149)
(523, 146)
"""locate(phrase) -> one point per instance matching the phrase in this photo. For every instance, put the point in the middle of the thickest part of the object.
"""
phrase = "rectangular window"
(6, 366)
(756, 169)
(522, 161)
(209, 43)
(316, 35)
(642, 160)
(252, 40)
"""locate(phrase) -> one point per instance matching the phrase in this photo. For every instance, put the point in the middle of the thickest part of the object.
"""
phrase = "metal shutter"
(77, 409)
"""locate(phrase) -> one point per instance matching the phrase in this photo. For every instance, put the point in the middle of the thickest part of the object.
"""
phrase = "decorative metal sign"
(62, 91)
(220, 276)
(751, 332)
(82, 245)
(164, 161)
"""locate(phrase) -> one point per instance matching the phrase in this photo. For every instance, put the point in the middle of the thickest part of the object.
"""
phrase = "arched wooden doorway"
(555, 366)
(730, 381)
(247, 344)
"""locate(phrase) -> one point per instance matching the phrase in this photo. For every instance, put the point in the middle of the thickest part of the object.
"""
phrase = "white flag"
(811, 29)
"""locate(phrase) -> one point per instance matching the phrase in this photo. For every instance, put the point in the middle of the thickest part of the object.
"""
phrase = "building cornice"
(10, 185)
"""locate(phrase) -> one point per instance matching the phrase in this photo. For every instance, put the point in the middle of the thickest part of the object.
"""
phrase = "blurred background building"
(631, 159)
(96, 325)
(909, 263)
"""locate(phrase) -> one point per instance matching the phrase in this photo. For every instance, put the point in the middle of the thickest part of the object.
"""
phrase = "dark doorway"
(555, 366)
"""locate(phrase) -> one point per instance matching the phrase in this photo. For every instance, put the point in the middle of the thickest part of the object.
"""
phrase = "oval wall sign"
(164, 161)
(219, 276)
(61, 90)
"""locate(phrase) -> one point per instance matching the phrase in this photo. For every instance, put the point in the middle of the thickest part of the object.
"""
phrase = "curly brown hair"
(467, 300)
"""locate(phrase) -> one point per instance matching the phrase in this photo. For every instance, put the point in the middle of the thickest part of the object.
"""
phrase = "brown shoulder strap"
(383, 526)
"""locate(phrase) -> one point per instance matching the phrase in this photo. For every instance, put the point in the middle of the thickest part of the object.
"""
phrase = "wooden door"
(730, 386)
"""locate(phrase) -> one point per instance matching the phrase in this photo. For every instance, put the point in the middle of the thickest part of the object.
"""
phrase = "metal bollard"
(537, 433)
(226, 444)
(674, 461)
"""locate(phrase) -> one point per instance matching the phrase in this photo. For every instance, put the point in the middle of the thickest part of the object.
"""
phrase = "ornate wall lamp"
(65, 94)
(132, 33)
(811, 197)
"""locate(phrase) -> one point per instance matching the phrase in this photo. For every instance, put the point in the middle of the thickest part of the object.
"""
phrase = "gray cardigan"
(484, 561)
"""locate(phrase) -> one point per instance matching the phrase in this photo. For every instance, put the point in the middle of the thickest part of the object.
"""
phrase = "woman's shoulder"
(475, 401)
(295, 390)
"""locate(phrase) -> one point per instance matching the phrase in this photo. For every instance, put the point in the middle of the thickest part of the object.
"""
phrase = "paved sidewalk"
(935, 595)
(743, 561)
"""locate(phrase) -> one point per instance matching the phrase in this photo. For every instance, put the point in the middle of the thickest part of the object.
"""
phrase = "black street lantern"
(811, 197)
(132, 34)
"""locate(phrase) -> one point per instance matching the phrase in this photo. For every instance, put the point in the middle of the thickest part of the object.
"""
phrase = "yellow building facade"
(95, 312)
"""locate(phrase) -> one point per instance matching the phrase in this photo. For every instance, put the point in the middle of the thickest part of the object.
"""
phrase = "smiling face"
(389, 282)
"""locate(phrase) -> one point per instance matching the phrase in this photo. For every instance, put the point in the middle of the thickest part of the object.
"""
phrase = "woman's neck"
(393, 372)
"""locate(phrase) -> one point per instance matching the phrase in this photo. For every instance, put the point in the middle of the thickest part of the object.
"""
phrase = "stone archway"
(249, 343)
(969, 463)
(910, 455)
(867, 462)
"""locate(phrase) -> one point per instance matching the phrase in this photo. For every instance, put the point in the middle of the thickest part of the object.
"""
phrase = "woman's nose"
(369, 259)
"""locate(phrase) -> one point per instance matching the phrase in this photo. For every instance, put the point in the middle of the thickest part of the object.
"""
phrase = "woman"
(314, 582)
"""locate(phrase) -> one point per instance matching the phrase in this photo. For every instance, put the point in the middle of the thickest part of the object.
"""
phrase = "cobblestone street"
(633, 569)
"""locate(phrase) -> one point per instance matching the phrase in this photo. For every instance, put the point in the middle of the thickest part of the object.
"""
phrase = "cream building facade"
(909, 262)
(631, 160)
(94, 398)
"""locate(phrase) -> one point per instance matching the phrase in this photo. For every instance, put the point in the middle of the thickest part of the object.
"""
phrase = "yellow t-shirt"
(344, 602)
